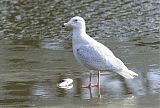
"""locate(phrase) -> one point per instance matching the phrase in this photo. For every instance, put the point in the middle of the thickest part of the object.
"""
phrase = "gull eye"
(75, 20)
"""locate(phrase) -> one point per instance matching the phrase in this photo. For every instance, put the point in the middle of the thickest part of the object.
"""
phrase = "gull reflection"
(114, 86)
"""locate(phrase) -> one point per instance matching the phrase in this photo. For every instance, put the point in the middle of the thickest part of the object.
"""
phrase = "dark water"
(35, 53)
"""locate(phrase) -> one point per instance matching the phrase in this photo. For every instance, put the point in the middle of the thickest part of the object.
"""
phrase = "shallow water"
(36, 52)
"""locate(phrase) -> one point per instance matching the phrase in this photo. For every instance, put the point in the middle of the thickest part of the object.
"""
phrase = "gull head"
(75, 23)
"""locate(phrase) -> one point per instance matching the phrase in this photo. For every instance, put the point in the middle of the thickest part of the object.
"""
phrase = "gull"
(92, 54)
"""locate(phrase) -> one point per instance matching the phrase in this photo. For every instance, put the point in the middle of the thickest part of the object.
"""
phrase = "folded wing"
(97, 58)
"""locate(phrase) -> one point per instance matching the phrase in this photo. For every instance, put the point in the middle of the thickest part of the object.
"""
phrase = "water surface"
(36, 52)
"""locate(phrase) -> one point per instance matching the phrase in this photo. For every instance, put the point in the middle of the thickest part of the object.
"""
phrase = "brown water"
(35, 53)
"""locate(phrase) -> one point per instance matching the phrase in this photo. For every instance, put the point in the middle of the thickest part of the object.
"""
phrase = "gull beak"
(66, 25)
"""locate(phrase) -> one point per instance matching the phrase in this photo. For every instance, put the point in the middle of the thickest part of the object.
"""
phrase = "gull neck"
(78, 31)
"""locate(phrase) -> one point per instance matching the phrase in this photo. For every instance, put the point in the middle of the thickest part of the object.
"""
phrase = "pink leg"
(98, 84)
(91, 85)
(90, 80)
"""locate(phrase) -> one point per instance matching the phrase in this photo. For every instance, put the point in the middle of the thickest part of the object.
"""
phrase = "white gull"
(93, 54)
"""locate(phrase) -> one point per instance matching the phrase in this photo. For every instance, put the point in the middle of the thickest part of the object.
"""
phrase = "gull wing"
(98, 58)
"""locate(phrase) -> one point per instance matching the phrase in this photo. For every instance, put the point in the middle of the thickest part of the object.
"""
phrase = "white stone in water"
(65, 83)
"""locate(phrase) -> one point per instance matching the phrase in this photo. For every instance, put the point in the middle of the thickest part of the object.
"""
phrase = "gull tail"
(128, 74)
